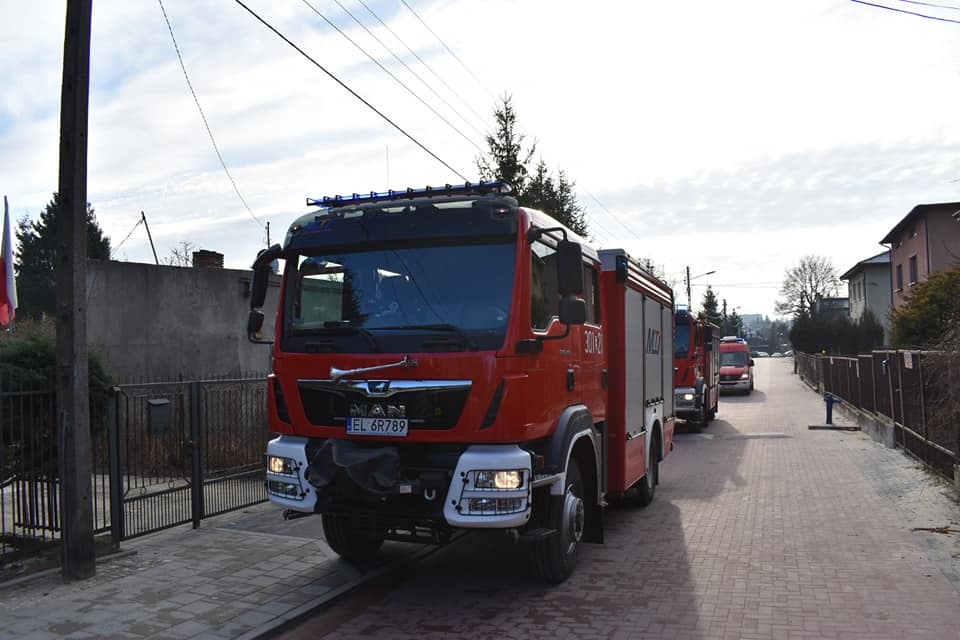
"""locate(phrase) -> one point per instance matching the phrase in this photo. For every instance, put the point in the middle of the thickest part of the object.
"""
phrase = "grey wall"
(163, 322)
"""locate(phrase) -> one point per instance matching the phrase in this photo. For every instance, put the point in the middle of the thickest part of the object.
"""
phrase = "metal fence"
(164, 454)
(916, 390)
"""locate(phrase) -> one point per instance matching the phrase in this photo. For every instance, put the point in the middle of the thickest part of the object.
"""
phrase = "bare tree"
(815, 276)
(181, 255)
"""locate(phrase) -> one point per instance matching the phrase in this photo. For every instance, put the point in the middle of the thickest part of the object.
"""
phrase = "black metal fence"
(165, 454)
(916, 390)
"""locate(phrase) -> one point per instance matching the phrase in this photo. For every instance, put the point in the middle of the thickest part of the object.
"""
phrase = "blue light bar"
(498, 187)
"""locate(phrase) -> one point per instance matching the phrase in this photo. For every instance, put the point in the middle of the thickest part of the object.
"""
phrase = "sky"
(733, 137)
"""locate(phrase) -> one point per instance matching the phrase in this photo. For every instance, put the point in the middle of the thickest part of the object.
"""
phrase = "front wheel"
(349, 540)
(556, 555)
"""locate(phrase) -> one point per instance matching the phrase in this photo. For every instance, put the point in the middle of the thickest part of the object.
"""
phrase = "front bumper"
(736, 385)
(465, 505)
(685, 402)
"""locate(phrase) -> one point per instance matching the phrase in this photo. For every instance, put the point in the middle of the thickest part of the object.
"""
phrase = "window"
(913, 269)
(544, 294)
(591, 293)
(899, 277)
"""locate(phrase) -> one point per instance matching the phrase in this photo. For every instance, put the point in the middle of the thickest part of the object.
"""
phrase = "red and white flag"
(8, 283)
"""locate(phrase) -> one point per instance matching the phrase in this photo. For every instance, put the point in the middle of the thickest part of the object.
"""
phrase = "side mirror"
(751, 362)
(573, 311)
(569, 268)
(261, 275)
(254, 324)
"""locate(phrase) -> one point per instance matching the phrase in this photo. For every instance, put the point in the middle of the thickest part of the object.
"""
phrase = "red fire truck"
(696, 368)
(444, 359)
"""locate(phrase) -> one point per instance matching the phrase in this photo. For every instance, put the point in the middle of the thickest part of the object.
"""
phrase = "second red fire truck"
(444, 359)
(696, 370)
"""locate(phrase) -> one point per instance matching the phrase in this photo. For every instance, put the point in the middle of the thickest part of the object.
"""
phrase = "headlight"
(688, 397)
(503, 480)
(744, 376)
(282, 466)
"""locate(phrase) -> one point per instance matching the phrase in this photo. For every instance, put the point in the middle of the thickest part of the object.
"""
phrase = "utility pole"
(689, 299)
(143, 216)
(73, 398)
(724, 329)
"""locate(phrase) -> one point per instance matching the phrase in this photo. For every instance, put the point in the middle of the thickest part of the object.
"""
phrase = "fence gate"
(181, 451)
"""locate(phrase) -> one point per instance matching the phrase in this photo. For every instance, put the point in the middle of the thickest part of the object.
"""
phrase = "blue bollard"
(830, 400)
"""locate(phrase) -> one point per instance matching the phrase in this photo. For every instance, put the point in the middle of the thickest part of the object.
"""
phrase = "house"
(927, 240)
(831, 307)
(868, 287)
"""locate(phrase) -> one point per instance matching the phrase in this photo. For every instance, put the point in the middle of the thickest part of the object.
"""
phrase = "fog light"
(284, 489)
(282, 466)
(503, 480)
(494, 506)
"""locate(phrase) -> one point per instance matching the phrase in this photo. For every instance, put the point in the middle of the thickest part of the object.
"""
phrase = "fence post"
(196, 444)
(116, 469)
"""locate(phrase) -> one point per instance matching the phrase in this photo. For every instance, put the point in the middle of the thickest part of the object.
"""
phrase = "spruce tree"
(36, 261)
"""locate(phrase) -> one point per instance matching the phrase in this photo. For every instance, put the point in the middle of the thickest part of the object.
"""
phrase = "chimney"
(207, 259)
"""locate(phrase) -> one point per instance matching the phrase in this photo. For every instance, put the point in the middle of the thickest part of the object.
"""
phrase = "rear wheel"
(350, 540)
(556, 555)
(647, 485)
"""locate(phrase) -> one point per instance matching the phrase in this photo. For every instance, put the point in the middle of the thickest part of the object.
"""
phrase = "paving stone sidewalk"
(238, 576)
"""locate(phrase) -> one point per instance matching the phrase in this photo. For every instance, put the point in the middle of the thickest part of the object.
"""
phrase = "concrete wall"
(163, 322)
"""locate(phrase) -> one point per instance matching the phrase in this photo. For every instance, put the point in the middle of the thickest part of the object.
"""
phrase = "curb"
(298, 614)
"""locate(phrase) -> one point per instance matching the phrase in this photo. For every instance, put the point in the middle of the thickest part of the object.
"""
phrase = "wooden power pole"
(73, 399)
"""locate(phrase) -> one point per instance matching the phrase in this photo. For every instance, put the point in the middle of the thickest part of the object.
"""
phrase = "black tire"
(556, 555)
(646, 487)
(348, 540)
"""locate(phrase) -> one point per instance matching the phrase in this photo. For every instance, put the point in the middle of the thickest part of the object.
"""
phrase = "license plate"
(396, 427)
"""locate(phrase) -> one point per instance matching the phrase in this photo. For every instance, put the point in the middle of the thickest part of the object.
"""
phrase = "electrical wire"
(489, 93)
(613, 215)
(204, 117)
(422, 61)
(912, 13)
(117, 248)
(348, 89)
(931, 4)
(390, 73)
(407, 67)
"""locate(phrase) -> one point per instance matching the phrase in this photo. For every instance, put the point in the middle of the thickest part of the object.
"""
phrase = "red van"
(736, 365)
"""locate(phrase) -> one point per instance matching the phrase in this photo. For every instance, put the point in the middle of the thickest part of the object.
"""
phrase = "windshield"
(681, 348)
(375, 298)
(733, 358)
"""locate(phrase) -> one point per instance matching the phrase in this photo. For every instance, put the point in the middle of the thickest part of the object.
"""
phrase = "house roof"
(880, 258)
(915, 213)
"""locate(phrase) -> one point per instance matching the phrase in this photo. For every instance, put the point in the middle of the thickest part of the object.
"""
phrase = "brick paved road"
(760, 529)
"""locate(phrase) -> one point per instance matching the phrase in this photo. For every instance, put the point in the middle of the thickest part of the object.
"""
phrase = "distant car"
(763, 354)
(777, 355)
(788, 353)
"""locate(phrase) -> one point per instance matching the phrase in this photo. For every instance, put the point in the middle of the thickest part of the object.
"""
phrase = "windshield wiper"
(451, 328)
(337, 328)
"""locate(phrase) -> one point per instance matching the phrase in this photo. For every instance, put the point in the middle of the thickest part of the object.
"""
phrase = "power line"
(117, 248)
(389, 73)
(912, 13)
(351, 91)
(407, 67)
(931, 4)
(489, 93)
(614, 216)
(204, 117)
(422, 61)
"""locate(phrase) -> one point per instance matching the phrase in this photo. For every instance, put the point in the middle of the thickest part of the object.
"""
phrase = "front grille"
(733, 378)
(426, 404)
